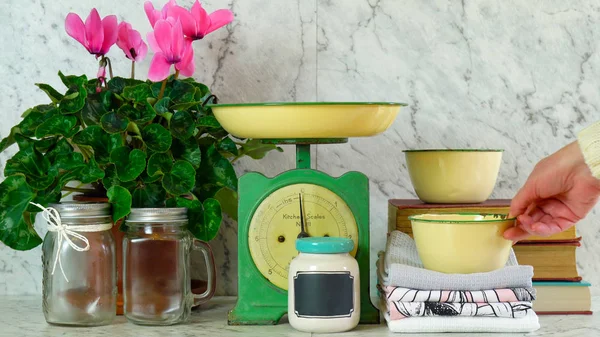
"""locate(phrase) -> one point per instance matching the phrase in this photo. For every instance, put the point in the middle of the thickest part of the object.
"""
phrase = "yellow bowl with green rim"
(456, 176)
(462, 243)
(301, 120)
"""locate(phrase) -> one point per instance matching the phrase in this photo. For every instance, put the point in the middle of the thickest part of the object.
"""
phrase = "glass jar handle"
(210, 272)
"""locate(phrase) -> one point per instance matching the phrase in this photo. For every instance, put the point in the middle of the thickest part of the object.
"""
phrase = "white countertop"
(22, 316)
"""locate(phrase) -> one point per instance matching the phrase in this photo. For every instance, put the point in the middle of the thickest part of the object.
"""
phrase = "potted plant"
(134, 142)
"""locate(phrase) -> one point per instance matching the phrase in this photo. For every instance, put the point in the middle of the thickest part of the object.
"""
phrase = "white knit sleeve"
(589, 142)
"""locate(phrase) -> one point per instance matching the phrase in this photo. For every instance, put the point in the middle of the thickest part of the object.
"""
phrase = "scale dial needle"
(303, 233)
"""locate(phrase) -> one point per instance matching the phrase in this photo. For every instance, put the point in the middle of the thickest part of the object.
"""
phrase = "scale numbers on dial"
(275, 226)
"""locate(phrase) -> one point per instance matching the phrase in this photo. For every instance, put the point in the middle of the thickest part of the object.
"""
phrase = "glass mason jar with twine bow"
(79, 243)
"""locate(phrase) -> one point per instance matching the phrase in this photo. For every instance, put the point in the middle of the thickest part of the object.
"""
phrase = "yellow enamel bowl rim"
(501, 218)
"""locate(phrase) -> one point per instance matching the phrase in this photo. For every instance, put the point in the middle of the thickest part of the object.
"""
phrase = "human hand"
(559, 192)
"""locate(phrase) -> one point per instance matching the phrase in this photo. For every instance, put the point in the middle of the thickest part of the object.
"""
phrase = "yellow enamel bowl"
(453, 176)
(306, 119)
(462, 243)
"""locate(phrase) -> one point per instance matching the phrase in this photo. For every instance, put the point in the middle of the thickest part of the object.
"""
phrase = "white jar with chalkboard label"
(324, 286)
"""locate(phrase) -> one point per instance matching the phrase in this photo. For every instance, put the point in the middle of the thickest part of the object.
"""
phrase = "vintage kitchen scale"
(274, 212)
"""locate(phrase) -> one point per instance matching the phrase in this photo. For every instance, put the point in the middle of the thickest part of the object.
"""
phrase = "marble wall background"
(518, 75)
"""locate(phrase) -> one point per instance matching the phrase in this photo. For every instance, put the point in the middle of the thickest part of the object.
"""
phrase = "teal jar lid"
(324, 245)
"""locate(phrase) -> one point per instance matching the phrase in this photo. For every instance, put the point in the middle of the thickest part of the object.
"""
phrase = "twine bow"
(65, 232)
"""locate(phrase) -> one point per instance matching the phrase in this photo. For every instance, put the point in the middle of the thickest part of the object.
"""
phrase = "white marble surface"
(22, 316)
(518, 75)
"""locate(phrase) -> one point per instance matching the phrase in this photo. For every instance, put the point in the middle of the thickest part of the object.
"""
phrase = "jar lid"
(324, 245)
(71, 210)
(161, 215)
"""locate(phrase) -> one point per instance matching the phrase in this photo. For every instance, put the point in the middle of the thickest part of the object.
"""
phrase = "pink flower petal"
(187, 66)
(152, 14)
(177, 42)
(75, 28)
(159, 68)
(162, 34)
(187, 21)
(152, 42)
(202, 20)
(218, 19)
(109, 25)
(94, 32)
(123, 39)
(141, 51)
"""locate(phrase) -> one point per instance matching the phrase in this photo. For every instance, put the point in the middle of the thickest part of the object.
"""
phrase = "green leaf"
(142, 114)
(73, 101)
(159, 164)
(101, 142)
(16, 226)
(187, 150)
(95, 107)
(217, 170)
(182, 125)
(155, 87)
(71, 81)
(10, 139)
(129, 163)
(183, 92)
(30, 123)
(227, 147)
(114, 122)
(111, 179)
(120, 198)
(45, 144)
(208, 121)
(54, 95)
(58, 125)
(181, 179)
(204, 219)
(256, 149)
(91, 172)
(61, 147)
(229, 202)
(46, 197)
(149, 195)
(33, 165)
(67, 162)
(118, 84)
(157, 138)
(202, 91)
(162, 106)
(24, 142)
(138, 93)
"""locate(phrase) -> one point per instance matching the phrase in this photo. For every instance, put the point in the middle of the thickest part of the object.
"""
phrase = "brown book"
(400, 209)
(550, 261)
(562, 298)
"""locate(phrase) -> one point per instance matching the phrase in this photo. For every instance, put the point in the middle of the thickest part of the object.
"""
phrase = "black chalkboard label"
(323, 294)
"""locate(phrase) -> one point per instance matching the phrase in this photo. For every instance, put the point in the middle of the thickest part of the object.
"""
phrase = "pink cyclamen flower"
(97, 36)
(101, 75)
(170, 48)
(155, 15)
(131, 43)
(197, 23)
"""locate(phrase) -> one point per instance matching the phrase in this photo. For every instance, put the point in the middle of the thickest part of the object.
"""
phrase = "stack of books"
(559, 287)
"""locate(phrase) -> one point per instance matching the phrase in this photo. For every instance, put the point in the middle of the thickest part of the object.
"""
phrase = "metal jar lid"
(77, 210)
(158, 215)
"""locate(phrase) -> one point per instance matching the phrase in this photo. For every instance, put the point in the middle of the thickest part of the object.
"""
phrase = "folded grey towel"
(400, 265)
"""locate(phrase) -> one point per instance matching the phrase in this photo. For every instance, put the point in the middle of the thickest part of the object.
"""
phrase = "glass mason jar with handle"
(79, 285)
(156, 267)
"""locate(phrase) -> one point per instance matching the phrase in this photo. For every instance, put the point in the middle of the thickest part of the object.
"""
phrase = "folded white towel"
(440, 324)
(400, 265)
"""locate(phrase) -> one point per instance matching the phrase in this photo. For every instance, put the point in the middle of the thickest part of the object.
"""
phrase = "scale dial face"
(275, 226)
